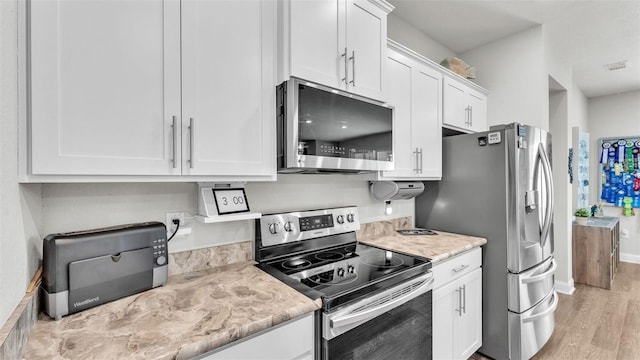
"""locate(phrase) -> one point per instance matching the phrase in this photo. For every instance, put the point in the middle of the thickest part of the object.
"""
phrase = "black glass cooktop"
(345, 273)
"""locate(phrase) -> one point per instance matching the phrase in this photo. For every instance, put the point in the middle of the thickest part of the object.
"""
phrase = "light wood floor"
(595, 323)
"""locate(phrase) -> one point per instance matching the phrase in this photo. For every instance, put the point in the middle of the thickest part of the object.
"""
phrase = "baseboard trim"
(566, 288)
(630, 258)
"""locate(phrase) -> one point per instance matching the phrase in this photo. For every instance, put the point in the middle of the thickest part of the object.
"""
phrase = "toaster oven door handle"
(379, 304)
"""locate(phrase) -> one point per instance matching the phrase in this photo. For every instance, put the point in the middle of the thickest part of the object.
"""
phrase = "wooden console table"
(596, 251)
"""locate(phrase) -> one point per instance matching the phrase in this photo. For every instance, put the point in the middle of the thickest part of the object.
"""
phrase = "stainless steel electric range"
(376, 304)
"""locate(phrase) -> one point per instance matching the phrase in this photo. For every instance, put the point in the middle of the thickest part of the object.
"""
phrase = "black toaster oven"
(88, 268)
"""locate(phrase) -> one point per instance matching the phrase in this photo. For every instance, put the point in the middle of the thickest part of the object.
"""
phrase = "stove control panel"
(282, 228)
(316, 222)
(333, 273)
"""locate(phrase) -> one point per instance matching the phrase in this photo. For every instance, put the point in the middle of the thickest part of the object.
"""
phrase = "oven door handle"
(388, 300)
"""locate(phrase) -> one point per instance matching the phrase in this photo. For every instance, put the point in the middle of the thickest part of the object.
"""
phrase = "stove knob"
(351, 269)
(341, 272)
(288, 226)
(350, 218)
(273, 228)
(340, 219)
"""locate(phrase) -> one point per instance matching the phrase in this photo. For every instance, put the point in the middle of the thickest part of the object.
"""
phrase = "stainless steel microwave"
(321, 129)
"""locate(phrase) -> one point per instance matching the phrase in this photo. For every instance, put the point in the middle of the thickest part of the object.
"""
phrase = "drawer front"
(460, 265)
(528, 288)
(529, 331)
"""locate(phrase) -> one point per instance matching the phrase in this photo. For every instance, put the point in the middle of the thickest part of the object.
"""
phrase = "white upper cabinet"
(105, 86)
(465, 105)
(152, 87)
(228, 87)
(415, 90)
(337, 43)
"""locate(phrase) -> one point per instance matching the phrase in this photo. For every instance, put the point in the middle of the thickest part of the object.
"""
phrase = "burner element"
(329, 255)
(296, 264)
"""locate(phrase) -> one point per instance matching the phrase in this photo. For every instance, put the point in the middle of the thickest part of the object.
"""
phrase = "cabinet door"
(455, 106)
(445, 312)
(477, 111)
(317, 41)
(292, 341)
(105, 86)
(469, 329)
(367, 46)
(426, 121)
(228, 87)
(399, 94)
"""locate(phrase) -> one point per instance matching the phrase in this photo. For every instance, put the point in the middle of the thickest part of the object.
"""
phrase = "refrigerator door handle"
(546, 227)
(542, 276)
(548, 311)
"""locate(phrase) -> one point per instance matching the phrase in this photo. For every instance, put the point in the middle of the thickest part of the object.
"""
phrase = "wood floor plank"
(630, 340)
(609, 326)
(596, 323)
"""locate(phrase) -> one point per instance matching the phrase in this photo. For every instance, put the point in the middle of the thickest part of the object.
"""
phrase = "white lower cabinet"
(457, 307)
(290, 341)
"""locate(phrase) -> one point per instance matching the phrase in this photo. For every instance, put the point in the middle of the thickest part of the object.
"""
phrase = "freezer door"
(529, 331)
(528, 288)
(530, 197)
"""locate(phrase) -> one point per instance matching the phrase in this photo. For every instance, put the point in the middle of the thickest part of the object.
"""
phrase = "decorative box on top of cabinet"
(119, 91)
(596, 251)
(465, 104)
(457, 306)
(414, 88)
(338, 43)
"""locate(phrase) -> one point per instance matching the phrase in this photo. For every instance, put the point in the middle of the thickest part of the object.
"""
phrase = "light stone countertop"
(202, 310)
(435, 247)
(194, 313)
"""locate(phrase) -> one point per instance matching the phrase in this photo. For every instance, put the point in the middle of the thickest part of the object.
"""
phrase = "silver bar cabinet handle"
(421, 161)
(467, 122)
(464, 299)
(460, 268)
(353, 72)
(346, 65)
(415, 169)
(174, 127)
(470, 115)
(459, 309)
(191, 138)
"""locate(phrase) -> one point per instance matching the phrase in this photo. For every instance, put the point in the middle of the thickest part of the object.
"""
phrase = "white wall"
(20, 210)
(611, 116)
(567, 110)
(513, 70)
(68, 207)
(558, 115)
(407, 35)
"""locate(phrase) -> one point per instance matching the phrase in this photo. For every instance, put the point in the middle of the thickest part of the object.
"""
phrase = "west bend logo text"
(86, 302)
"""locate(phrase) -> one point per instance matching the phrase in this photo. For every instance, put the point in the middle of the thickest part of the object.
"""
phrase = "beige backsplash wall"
(69, 207)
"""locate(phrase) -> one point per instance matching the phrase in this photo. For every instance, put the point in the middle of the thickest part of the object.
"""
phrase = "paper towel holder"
(396, 190)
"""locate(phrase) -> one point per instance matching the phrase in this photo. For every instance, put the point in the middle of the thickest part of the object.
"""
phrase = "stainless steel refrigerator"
(498, 185)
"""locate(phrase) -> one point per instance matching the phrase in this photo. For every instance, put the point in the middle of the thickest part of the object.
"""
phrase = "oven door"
(393, 324)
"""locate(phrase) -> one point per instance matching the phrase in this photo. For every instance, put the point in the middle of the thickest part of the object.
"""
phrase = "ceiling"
(586, 34)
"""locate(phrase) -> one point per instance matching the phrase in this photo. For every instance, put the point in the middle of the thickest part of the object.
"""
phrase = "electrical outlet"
(171, 227)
